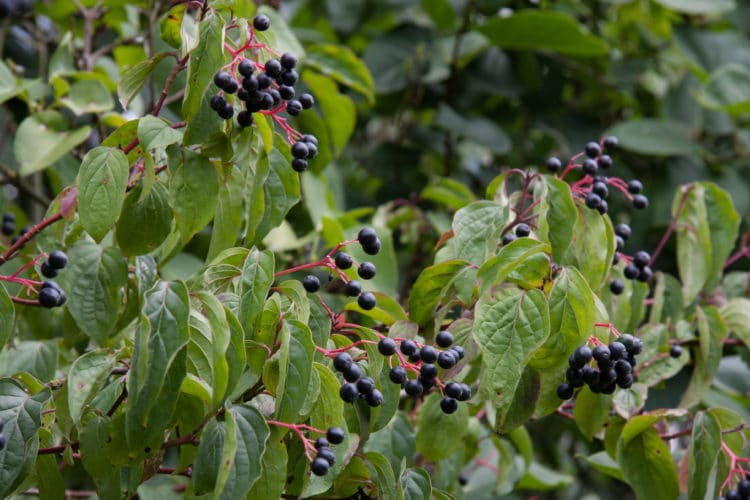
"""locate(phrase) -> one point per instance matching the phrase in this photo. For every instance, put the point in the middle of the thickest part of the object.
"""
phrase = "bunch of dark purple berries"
(325, 458)
(56, 261)
(427, 356)
(597, 161)
(741, 493)
(355, 386)
(371, 244)
(637, 269)
(615, 364)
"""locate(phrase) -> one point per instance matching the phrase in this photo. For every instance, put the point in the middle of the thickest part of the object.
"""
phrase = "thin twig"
(672, 223)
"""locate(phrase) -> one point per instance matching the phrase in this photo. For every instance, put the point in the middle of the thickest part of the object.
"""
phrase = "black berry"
(444, 339)
(428, 370)
(604, 161)
(321, 442)
(600, 189)
(372, 249)
(320, 465)
(523, 230)
(453, 390)
(408, 347)
(459, 351)
(366, 301)
(574, 377)
(366, 270)
(413, 388)
(601, 354)
(50, 297)
(675, 351)
(307, 101)
(227, 112)
(592, 149)
(374, 398)
(48, 271)
(342, 260)
(610, 143)
(365, 385)
(617, 350)
(645, 274)
(565, 391)
(631, 272)
(218, 103)
(635, 186)
(299, 165)
(623, 231)
(397, 374)
(367, 236)
(288, 61)
(353, 288)
(447, 359)
(222, 79)
(289, 77)
(387, 347)
(448, 405)
(273, 68)
(509, 238)
(352, 373)
(261, 22)
(286, 92)
(348, 393)
(603, 207)
(8, 228)
(244, 118)
(250, 83)
(593, 200)
(616, 287)
(641, 259)
(589, 167)
(553, 164)
(293, 107)
(640, 201)
(465, 393)
(246, 67)
(231, 87)
(342, 361)
(327, 455)
(428, 354)
(581, 356)
(311, 283)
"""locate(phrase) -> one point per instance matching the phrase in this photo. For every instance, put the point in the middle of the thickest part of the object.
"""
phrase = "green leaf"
(42, 139)
(448, 192)
(476, 129)
(295, 370)
(647, 466)
(572, 318)
(205, 60)
(209, 461)
(736, 315)
(476, 229)
(329, 407)
(539, 477)
(252, 435)
(723, 226)
(102, 180)
(272, 469)
(338, 109)
(101, 443)
(591, 412)
(523, 405)
(280, 37)
(158, 364)
(257, 278)
(193, 190)
(385, 481)
(711, 334)
(281, 191)
(155, 132)
(562, 216)
(228, 215)
(593, 247)
(694, 259)
(9, 84)
(543, 30)
(341, 63)
(699, 7)
(7, 316)
(416, 484)
(144, 223)
(88, 96)
(134, 78)
(431, 417)
(519, 254)
(430, 288)
(30, 362)
(705, 445)
(88, 375)
(727, 90)
(93, 286)
(509, 325)
(603, 463)
(21, 414)
(653, 136)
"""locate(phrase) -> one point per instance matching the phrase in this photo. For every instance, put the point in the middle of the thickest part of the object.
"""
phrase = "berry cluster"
(269, 91)
(325, 458)
(426, 356)
(638, 266)
(522, 230)
(9, 223)
(356, 385)
(594, 187)
(615, 364)
(51, 295)
(56, 261)
(370, 243)
(741, 493)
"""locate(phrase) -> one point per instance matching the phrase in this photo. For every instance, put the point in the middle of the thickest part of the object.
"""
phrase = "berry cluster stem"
(297, 429)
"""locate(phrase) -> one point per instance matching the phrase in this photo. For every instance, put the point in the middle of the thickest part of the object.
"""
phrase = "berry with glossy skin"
(589, 167)
(246, 67)
(601, 354)
(428, 371)
(50, 297)
(321, 442)
(459, 351)
(444, 339)
(743, 487)
(465, 393)
(353, 288)
(273, 68)
(286, 92)
(635, 186)
(447, 359)
(448, 405)
(293, 107)
(645, 274)
(590, 375)
(374, 398)
(616, 287)
(231, 87)
(312, 150)
(306, 100)
(288, 61)
(250, 83)
(309, 138)
(261, 22)
(352, 373)
(604, 161)
(463, 480)
(640, 201)
(603, 207)
(610, 143)
(365, 385)
(593, 200)
(413, 387)
(8, 228)
(373, 249)
(623, 231)
(387, 346)
(675, 351)
(367, 301)
(619, 244)
(641, 259)
(408, 347)
(453, 390)
(636, 347)
(299, 165)
(244, 118)
(623, 368)
(592, 149)
(565, 391)
(367, 236)
(617, 350)
(523, 230)
(366, 270)
(631, 272)
(48, 271)
(398, 375)
(600, 189)
(553, 164)
(327, 454)
(426, 382)
(289, 77)
(574, 376)
(227, 112)
(509, 238)
(343, 260)
(581, 356)
(218, 103)
(320, 466)
(222, 79)
(342, 361)
(428, 354)
(348, 393)
(9, 217)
